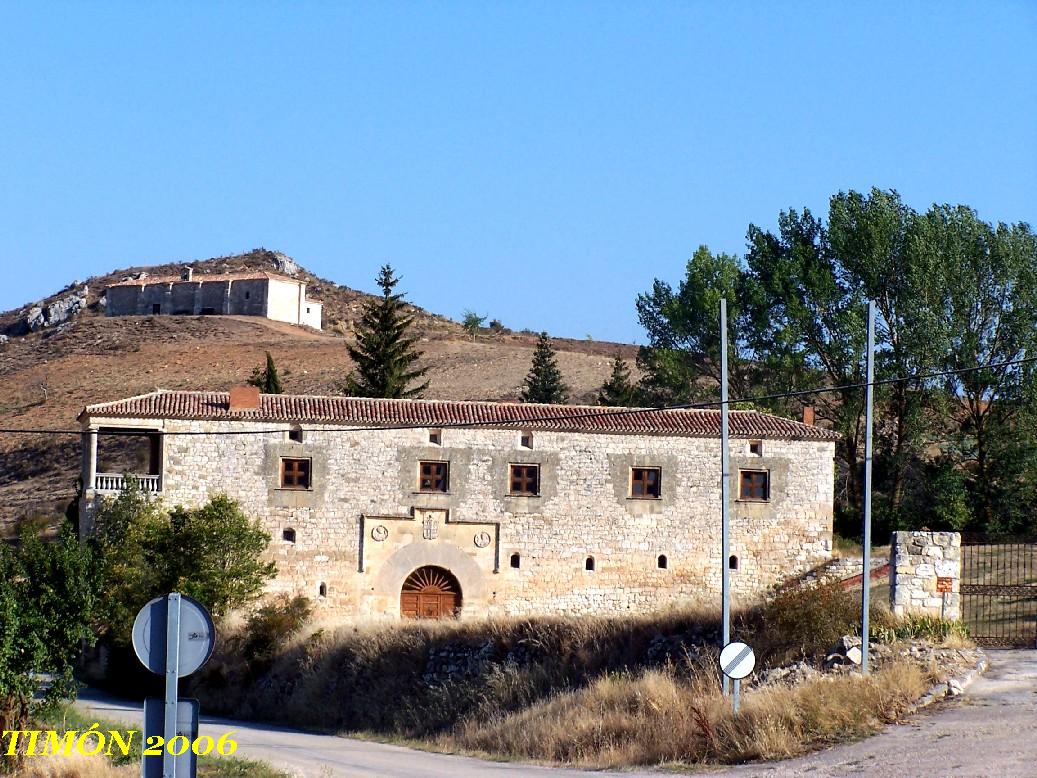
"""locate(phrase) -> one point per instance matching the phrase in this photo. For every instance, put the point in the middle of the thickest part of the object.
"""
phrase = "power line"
(603, 413)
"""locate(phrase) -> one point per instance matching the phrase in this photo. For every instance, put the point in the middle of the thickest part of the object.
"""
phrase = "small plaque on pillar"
(944, 584)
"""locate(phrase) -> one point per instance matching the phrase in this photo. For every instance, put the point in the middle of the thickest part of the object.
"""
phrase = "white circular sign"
(197, 636)
(737, 660)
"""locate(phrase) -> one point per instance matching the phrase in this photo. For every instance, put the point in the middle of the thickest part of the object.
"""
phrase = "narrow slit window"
(754, 485)
(322, 590)
(662, 562)
(435, 437)
(433, 477)
(589, 564)
(525, 480)
(295, 473)
(645, 482)
(516, 561)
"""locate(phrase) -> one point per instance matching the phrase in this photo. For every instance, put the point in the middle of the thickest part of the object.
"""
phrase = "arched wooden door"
(430, 593)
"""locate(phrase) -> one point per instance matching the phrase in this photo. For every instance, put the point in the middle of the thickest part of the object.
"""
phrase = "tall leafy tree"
(681, 361)
(544, 382)
(870, 238)
(267, 378)
(806, 321)
(983, 290)
(618, 390)
(384, 354)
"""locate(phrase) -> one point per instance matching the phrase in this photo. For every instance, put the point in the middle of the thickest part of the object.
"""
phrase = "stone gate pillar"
(925, 574)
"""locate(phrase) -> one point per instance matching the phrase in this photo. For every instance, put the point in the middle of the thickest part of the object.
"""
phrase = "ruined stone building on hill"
(250, 293)
(431, 508)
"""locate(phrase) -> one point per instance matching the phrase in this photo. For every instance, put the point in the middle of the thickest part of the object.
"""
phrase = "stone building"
(431, 508)
(258, 293)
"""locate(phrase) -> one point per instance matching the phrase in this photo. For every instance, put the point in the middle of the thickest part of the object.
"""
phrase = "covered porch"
(112, 455)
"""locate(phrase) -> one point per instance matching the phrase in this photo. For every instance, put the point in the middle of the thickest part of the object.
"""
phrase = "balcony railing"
(116, 482)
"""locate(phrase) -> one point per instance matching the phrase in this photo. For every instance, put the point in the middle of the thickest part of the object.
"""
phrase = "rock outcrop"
(59, 311)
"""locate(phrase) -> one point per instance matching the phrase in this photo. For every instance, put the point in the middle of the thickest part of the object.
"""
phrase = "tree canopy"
(952, 292)
(544, 382)
(384, 355)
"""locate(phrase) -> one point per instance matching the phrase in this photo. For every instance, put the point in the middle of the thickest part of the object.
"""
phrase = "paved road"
(991, 732)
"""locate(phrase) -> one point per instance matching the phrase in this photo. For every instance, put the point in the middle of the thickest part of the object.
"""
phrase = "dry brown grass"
(658, 718)
(74, 766)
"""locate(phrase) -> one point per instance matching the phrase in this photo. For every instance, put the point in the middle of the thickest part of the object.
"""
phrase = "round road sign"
(737, 660)
(197, 635)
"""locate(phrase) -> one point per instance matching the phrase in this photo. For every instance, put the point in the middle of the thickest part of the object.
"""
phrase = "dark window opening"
(645, 482)
(295, 473)
(435, 437)
(433, 476)
(589, 564)
(525, 480)
(526, 441)
(322, 590)
(732, 562)
(156, 308)
(661, 561)
(756, 448)
(208, 311)
(288, 535)
(295, 434)
(754, 485)
(248, 295)
(515, 561)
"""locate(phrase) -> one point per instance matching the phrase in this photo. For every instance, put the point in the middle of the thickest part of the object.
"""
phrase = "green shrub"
(270, 626)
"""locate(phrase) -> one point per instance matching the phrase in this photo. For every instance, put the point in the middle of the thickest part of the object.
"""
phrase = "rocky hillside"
(61, 353)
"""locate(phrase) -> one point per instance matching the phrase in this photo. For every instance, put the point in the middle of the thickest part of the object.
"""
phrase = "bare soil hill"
(46, 377)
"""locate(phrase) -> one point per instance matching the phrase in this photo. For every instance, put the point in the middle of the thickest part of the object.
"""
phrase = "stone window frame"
(435, 436)
(754, 448)
(294, 434)
(646, 483)
(306, 472)
(512, 492)
(526, 439)
(445, 477)
(742, 497)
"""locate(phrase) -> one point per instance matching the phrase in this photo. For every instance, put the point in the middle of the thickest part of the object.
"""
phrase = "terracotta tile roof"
(365, 412)
(247, 275)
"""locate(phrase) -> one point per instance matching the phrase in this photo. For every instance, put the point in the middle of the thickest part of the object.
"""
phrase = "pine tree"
(267, 378)
(384, 353)
(618, 390)
(544, 382)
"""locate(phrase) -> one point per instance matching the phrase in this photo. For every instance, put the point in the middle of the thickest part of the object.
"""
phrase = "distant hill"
(47, 376)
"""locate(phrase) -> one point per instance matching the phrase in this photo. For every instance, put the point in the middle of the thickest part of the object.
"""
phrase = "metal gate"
(999, 590)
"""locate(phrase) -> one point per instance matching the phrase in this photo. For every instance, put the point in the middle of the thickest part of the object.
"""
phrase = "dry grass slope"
(658, 718)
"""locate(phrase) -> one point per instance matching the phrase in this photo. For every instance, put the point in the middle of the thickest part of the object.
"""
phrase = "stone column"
(89, 476)
(925, 574)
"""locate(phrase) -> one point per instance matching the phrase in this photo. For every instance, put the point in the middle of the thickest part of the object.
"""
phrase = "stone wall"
(917, 561)
(363, 525)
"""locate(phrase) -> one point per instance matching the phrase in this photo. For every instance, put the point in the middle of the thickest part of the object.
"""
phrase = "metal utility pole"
(869, 402)
(725, 490)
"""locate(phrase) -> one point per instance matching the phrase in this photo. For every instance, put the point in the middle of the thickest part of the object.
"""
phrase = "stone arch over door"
(430, 593)
(389, 581)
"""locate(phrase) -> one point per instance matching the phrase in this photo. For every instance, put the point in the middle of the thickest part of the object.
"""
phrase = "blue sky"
(538, 162)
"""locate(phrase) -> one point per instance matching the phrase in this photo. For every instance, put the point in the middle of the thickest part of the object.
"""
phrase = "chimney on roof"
(244, 398)
(808, 415)
(187, 274)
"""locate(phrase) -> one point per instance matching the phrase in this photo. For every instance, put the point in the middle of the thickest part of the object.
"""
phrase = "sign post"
(725, 492)
(173, 636)
(737, 660)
